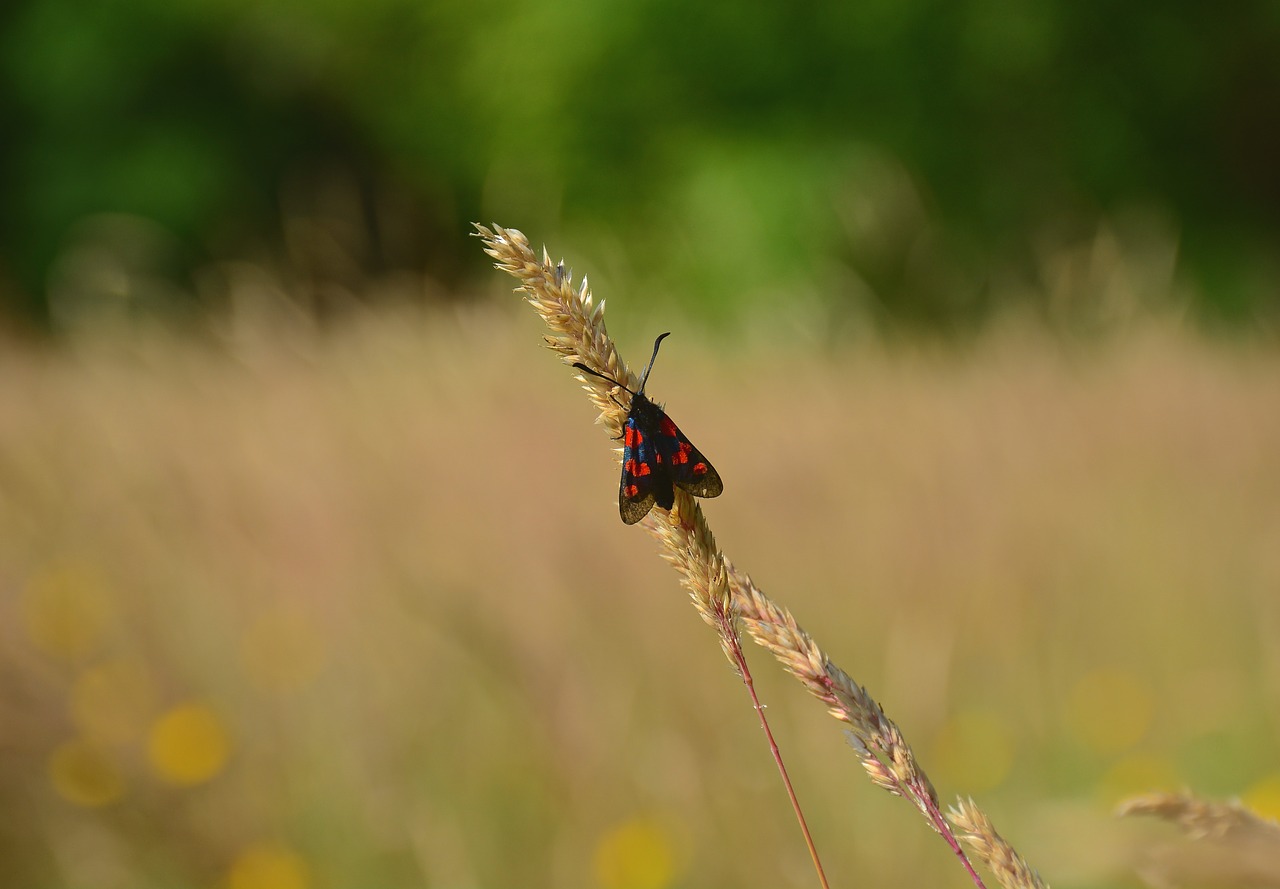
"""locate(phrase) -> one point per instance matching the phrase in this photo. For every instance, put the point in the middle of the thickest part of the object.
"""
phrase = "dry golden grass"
(356, 609)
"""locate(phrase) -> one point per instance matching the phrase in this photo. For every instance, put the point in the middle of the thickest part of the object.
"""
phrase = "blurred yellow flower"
(188, 745)
(112, 701)
(268, 866)
(85, 774)
(65, 610)
(975, 750)
(282, 651)
(635, 855)
(1263, 797)
(1109, 711)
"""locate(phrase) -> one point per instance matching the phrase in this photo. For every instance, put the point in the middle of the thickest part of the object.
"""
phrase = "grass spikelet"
(579, 334)
(576, 321)
(991, 849)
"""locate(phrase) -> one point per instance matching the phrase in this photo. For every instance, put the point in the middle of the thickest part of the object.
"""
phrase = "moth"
(657, 458)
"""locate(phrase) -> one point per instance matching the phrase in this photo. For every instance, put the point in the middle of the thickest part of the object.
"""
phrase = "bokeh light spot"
(635, 855)
(268, 866)
(1136, 774)
(1263, 797)
(282, 650)
(188, 745)
(84, 774)
(65, 610)
(975, 749)
(111, 702)
(1108, 711)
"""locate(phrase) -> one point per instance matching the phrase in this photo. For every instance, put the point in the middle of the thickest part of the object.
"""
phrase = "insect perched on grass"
(657, 458)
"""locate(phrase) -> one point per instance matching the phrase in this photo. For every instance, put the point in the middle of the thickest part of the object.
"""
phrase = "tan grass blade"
(578, 333)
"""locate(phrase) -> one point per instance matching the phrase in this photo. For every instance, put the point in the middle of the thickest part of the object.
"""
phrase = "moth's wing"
(642, 475)
(690, 470)
(634, 507)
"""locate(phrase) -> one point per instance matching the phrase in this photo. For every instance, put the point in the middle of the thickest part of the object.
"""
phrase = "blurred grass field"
(294, 609)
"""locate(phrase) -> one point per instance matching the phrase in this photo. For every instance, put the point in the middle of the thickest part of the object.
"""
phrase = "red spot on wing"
(632, 490)
(699, 469)
(666, 427)
(631, 437)
(634, 467)
(682, 453)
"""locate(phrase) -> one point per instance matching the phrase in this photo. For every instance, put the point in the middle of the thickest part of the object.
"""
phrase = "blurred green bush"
(885, 160)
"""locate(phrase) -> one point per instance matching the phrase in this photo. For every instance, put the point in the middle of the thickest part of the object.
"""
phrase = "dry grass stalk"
(579, 334)
(990, 848)
(1201, 819)
(1229, 845)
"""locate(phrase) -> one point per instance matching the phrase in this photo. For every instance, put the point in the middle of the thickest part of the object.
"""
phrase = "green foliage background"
(893, 157)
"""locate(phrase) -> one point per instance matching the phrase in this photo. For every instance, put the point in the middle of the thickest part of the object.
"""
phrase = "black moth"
(657, 458)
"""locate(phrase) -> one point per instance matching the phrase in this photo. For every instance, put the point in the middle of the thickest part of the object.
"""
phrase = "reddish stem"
(926, 803)
(942, 826)
(729, 632)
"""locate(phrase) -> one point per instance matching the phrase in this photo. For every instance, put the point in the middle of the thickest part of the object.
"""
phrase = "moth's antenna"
(595, 373)
(656, 343)
(643, 379)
